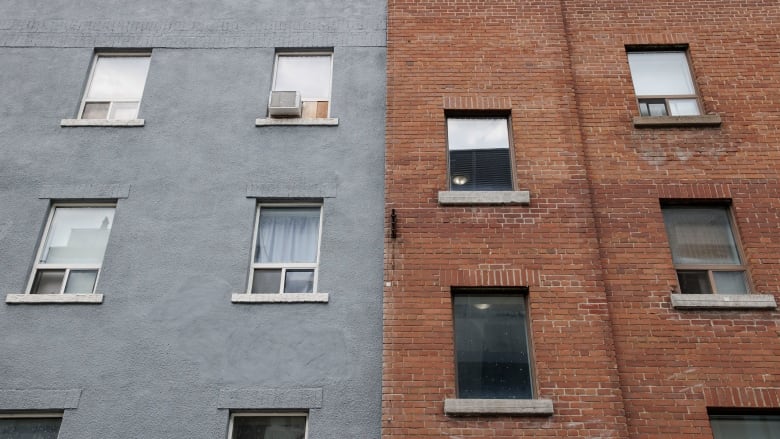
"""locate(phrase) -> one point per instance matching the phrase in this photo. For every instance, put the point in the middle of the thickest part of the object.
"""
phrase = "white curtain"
(287, 234)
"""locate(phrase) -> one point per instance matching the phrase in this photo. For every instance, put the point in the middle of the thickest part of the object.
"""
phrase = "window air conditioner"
(284, 104)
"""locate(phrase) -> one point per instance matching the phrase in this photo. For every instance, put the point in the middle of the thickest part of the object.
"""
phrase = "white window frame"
(329, 54)
(284, 266)
(268, 415)
(111, 103)
(38, 265)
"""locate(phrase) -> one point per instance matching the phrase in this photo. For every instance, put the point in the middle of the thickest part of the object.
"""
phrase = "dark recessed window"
(30, 427)
(704, 250)
(479, 154)
(745, 426)
(267, 426)
(491, 345)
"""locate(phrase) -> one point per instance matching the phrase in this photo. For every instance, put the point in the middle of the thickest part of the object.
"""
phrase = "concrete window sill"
(707, 120)
(723, 301)
(280, 298)
(480, 407)
(54, 298)
(484, 197)
(101, 123)
(275, 121)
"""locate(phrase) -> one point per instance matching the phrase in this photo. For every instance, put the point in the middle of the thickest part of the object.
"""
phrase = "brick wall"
(609, 350)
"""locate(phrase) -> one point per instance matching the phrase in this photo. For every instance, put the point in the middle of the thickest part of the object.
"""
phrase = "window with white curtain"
(267, 426)
(30, 426)
(71, 252)
(745, 426)
(663, 83)
(285, 254)
(705, 249)
(116, 84)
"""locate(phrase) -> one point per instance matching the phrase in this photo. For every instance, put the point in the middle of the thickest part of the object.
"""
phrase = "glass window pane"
(745, 426)
(299, 281)
(124, 110)
(652, 107)
(288, 234)
(30, 428)
(700, 235)
(81, 282)
(477, 133)
(78, 235)
(48, 281)
(694, 282)
(266, 281)
(660, 73)
(95, 110)
(684, 107)
(491, 346)
(730, 282)
(269, 427)
(307, 74)
(118, 78)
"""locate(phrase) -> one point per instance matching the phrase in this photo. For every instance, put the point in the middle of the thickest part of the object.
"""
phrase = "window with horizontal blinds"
(479, 154)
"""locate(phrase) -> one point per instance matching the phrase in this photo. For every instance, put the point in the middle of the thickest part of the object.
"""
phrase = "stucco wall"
(167, 355)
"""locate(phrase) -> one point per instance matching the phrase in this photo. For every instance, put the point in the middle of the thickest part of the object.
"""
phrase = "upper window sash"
(310, 74)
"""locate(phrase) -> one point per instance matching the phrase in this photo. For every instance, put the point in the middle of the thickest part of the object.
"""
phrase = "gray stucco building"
(179, 262)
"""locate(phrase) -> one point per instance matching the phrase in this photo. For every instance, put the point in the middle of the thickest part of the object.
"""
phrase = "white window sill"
(280, 298)
(101, 123)
(477, 407)
(54, 298)
(723, 301)
(706, 120)
(272, 121)
(484, 197)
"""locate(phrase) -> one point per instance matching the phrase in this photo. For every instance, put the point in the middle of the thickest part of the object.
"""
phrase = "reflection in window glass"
(268, 427)
(29, 427)
(491, 346)
(479, 157)
(745, 426)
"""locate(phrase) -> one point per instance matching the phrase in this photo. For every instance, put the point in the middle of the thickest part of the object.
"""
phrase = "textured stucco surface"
(166, 345)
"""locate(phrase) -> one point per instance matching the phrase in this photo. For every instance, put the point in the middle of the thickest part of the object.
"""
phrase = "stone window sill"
(723, 301)
(484, 197)
(479, 407)
(54, 298)
(101, 123)
(274, 121)
(707, 120)
(280, 298)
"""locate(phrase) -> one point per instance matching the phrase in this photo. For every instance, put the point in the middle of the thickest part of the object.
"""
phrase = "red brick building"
(582, 219)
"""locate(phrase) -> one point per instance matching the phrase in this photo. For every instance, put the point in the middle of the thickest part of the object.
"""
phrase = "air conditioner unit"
(284, 104)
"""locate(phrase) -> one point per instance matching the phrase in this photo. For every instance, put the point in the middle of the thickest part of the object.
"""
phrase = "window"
(30, 426)
(491, 345)
(286, 250)
(663, 83)
(479, 154)
(308, 74)
(72, 249)
(742, 426)
(267, 426)
(115, 87)
(705, 250)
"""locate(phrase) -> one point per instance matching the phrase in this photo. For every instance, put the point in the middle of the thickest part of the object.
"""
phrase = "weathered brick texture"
(616, 359)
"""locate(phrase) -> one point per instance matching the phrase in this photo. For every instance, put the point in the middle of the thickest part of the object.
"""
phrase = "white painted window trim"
(315, 296)
(247, 414)
(108, 122)
(481, 407)
(61, 297)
